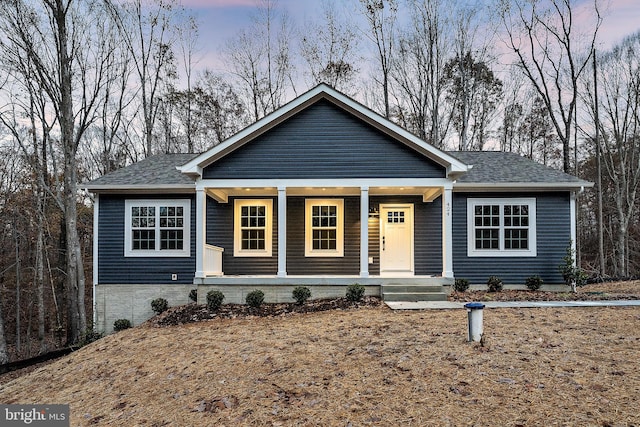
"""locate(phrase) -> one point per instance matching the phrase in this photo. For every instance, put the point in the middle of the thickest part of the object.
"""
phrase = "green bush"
(121, 325)
(355, 292)
(90, 335)
(573, 275)
(301, 294)
(159, 305)
(214, 300)
(534, 282)
(255, 298)
(461, 285)
(495, 284)
(193, 295)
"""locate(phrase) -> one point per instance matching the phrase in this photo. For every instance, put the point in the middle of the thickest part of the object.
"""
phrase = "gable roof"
(502, 169)
(453, 165)
(155, 172)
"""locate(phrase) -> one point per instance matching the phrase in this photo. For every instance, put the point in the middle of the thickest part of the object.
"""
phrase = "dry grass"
(369, 366)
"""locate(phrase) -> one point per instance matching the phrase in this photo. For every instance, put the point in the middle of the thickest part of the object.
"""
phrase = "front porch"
(361, 249)
(279, 289)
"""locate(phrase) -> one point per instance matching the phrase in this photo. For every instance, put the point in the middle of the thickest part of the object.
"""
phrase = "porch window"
(324, 227)
(501, 227)
(252, 227)
(157, 228)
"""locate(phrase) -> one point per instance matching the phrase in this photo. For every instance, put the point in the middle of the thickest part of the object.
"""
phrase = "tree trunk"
(4, 355)
(75, 280)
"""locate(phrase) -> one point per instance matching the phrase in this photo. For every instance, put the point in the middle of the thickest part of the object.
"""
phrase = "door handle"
(383, 243)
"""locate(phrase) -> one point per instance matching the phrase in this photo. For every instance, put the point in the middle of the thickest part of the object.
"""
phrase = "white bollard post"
(474, 317)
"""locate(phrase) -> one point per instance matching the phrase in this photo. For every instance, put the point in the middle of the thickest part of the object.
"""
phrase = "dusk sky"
(221, 19)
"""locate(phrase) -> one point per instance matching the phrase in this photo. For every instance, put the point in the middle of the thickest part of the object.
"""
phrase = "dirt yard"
(354, 367)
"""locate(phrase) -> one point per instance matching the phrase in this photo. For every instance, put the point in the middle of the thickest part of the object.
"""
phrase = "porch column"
(447, 233)
(364, 231)
(282, 231)
(201, 229)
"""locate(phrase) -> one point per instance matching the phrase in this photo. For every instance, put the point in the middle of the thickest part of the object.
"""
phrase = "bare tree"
(330, 50)
(474, 92)
(382, 16)
(547, 49)
(418, 72)
(259, 57)
(67, 59)
(147, 31)
(188, 35)
(619, 142)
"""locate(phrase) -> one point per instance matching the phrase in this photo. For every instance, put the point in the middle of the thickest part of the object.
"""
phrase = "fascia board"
(140, 188)
(512, 186)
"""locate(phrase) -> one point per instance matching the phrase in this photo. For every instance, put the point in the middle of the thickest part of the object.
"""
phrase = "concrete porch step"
(414, 296)
(412, 293)
(407, 288)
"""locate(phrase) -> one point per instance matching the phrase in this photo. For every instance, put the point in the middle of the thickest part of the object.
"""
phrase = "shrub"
(255, 298)
(90, 335)
(534, 282)
(355, 292)
(193, 295)
(495, 284)
(573, 275)
(159, 305)
(214, 300)
(461, 285)
(301, 294)
(121, 325)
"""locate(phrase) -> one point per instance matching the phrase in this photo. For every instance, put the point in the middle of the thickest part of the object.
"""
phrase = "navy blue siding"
(115, 268)
(427, 238)
(324, 141)
(553, 236)
(220, 233)
(298, 264)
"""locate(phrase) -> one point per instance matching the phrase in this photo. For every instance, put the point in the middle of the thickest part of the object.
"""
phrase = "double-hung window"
(157, 228)
(252, 227)
(501, 227)
(324, 227)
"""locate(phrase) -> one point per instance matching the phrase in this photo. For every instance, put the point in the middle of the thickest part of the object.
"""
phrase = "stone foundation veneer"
(133, 302)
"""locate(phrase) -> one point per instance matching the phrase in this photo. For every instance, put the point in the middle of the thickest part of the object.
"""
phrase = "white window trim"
(308, 229)
(237, 230)
(502, 252)
(157, 203)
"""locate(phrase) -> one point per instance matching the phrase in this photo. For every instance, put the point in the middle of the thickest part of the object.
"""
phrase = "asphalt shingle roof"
(157, 170)
(489, 167)
(499, 167)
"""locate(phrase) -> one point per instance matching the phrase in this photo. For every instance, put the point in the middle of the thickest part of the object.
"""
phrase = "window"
(157, 228)
(324, 227)
(501, 227)
(252, 227)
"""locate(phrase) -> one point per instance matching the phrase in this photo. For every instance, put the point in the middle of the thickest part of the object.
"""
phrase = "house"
(323, 193)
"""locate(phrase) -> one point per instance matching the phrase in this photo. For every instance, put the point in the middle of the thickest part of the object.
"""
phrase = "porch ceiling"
(222, 194)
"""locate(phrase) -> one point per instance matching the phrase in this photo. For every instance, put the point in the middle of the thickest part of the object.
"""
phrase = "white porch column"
(447, 233)
(282, 231)
(364, 231)
(573, 224)
(201, 229)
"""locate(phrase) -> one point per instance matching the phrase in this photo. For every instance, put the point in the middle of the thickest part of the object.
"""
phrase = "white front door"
(396, 239)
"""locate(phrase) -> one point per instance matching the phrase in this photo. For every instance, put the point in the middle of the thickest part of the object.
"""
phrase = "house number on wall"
(448, 209)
